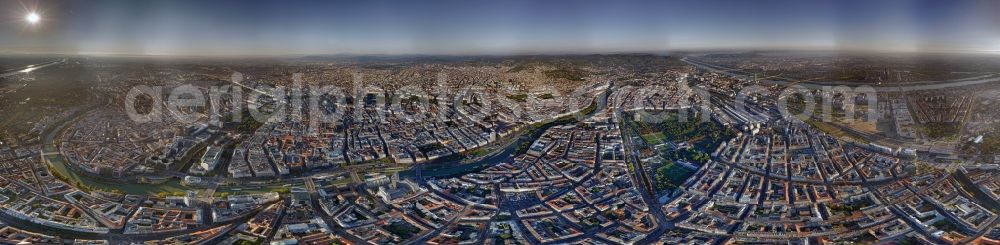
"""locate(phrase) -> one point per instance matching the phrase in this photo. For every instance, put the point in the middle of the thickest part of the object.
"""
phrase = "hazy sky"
(216, 27)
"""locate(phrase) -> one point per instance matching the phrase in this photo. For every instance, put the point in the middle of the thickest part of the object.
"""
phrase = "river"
(59, 167)
(456, 167)
(905, 87)
(442, 168)
(31, 68)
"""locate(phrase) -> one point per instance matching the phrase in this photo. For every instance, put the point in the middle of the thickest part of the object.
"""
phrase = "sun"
(33, 18)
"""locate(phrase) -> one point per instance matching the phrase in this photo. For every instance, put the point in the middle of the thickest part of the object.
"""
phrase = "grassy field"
(866, 127)
(277, 187)
(654, 138)
(946, 131)
(825, 127)
(571, 74)
(518, 97)
(670, 176)
(702, 135)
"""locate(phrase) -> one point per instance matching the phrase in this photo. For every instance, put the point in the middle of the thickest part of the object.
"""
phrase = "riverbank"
(532, 132)
(59, 167)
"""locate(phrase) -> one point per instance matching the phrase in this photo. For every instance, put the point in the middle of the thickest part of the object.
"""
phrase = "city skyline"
(499, 122)
(486, 28)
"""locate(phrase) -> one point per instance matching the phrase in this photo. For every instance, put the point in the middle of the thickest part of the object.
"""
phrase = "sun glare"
(33, 18)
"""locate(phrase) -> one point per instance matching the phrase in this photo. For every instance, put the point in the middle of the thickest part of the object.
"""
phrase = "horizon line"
(664, 52)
